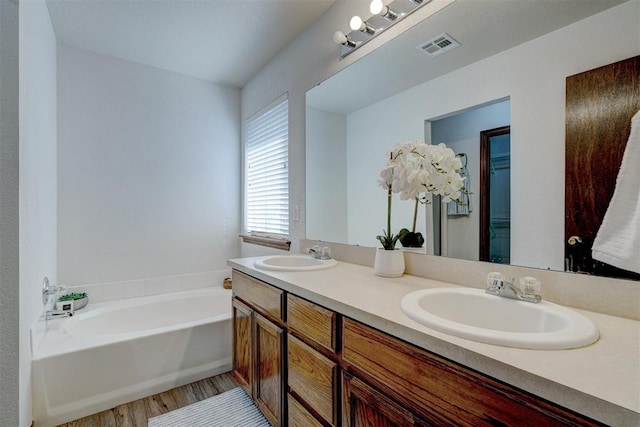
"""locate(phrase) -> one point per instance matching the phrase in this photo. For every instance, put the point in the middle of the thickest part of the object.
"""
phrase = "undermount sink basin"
(476, 315)
(294, 263)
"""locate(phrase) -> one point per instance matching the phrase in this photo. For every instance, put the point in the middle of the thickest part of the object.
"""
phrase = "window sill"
(271, 242)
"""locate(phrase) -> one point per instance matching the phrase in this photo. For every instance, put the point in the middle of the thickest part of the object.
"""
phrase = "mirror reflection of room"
(468, 231)
(361, 119)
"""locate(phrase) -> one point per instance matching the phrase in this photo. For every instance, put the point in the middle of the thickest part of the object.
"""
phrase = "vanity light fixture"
(385, 13)
(357, 24)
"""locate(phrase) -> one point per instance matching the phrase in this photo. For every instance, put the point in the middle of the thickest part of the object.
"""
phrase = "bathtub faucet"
(55, 314)
(49, 291)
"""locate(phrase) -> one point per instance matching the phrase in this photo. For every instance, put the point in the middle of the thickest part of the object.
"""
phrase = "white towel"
(618, 239)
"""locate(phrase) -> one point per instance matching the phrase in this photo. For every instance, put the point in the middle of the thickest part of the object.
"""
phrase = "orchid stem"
(389, 195)
(415, 216)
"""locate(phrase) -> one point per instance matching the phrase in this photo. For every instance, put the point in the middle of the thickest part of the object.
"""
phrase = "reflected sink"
(476, 315)
(294, 263)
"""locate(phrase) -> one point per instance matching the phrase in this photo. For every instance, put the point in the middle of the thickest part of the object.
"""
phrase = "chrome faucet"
(56, 314)
(320, 253)
(49, 297)
(50, 291)
(529, 289)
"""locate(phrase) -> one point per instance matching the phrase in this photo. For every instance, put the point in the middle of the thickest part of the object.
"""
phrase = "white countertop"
(601, 381)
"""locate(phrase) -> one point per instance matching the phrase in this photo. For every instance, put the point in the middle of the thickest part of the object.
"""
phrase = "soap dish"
(72, 302)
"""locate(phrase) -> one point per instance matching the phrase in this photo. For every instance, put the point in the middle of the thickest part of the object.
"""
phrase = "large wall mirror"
(511, 67)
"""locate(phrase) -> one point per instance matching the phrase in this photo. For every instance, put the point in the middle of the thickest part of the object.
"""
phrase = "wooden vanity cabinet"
(313, 380)
(299, 416)
(434, 390)
(269, 368)
(243, 345)
(365, 406)
(313, 370)
(259, 344)
(305, 365)
(266, 299)
(314, 323)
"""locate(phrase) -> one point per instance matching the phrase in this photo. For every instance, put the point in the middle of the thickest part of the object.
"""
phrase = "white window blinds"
(267, 171)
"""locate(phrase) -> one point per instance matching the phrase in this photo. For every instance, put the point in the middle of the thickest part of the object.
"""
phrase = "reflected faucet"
(529, 289)
(320, 253)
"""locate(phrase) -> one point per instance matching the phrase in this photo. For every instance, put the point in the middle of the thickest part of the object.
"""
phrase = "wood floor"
(136, 414)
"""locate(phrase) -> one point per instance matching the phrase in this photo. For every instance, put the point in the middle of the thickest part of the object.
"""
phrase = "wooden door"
(269, 387)
(242, 345)
(364, 406)
(599, 106)
(495, 216)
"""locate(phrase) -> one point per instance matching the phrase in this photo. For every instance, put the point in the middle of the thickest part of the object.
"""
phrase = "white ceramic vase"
(389, 263)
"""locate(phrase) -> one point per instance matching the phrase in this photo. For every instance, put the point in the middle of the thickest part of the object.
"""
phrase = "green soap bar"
(72, 296)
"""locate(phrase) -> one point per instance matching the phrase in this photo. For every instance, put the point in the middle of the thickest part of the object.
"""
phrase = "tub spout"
(54, 314)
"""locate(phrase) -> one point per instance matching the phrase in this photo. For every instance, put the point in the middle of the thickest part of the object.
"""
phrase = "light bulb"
(339, 37)
(356, 23)
(377, 7)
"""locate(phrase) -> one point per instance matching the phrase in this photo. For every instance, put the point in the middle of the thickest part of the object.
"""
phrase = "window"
(267, 172)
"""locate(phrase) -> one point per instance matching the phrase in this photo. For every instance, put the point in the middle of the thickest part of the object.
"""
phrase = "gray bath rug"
(233, 408)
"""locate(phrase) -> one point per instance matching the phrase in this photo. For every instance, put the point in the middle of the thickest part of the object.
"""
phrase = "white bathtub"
(115, 352)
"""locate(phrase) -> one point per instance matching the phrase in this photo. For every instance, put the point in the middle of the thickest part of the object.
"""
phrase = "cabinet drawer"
(436, 388)
(299, 416)
(312, 321)
(265, 298)
(313, 379)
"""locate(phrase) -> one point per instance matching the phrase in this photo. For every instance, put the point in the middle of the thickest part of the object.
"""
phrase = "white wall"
(148, 165)
(9, 220)
(38, 182)
(537, 99)
(308, 60)
(326, 173)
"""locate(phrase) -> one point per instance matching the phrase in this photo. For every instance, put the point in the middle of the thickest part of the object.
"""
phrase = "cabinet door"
(242, 345)
(440, 391)
(313, 379)
(366, 407)
(299, 416)
(269, 388)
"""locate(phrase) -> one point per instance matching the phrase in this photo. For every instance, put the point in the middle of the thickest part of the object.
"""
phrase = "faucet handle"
(495, 280)
(314, 251)
(530, 286)
(325, 252)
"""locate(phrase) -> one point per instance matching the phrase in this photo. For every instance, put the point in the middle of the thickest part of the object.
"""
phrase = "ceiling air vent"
(439, 45)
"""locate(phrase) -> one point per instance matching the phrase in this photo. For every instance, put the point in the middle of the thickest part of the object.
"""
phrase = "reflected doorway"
(457, 229)
(495, 195)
